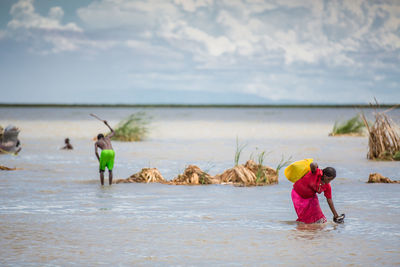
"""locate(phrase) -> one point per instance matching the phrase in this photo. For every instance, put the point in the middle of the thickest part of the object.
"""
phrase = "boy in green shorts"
(106, 159)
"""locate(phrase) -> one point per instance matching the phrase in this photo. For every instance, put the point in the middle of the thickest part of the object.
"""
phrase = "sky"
(200, 51)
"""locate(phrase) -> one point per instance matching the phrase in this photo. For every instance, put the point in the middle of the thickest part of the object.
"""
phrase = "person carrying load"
(306, 187)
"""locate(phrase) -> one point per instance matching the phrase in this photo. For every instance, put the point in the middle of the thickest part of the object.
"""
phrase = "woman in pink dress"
(304, 195)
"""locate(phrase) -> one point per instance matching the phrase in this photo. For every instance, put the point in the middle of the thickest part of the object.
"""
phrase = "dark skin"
(104, 143)
(67, 146)
(325, 180)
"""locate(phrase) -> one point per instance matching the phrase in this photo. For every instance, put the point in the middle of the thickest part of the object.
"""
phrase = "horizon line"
(158, 105)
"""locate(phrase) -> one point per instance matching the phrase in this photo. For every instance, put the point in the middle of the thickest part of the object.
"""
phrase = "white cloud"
(269, 86)
(24, 16)
(198, 41)
(225, 35)
(310, 32)
(145, 49)
(47, 32)
(106, 14)
(193, 5)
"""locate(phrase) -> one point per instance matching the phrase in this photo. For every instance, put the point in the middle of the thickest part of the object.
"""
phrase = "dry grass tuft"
(146, 175)
(384, 139)
(193, 175)
(379, 178)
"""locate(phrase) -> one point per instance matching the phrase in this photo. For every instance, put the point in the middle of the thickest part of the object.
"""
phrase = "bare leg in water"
(110, 177)
(102, 177)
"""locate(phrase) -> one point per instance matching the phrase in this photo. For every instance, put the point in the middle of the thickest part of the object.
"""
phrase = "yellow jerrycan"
(298, 169)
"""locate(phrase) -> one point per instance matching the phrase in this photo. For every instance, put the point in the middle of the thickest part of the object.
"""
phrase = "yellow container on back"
(298, 169)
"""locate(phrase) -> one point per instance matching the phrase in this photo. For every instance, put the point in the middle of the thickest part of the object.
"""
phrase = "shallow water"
(54, 212)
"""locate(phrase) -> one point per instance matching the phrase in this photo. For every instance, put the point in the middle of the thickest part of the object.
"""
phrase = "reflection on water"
(54, 212)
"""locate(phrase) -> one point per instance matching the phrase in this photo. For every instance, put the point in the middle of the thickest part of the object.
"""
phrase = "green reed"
(283, 163)
(354, 125)
(238, 152)
(133, 128)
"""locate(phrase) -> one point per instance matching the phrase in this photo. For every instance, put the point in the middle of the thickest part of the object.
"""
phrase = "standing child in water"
(305, 199)
(107, 155)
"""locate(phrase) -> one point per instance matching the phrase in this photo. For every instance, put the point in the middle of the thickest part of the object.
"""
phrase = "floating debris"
(146, 175)
(379, 178)
(4, 168)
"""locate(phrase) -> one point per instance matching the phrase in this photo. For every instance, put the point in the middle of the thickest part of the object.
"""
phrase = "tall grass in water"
(239, 149)
(261, 175)
(283, 163)
(133, 128)
(353, 126)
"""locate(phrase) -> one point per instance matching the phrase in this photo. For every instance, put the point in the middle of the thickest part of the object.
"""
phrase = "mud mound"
(146, 175)
(193, 175)
(379, 178)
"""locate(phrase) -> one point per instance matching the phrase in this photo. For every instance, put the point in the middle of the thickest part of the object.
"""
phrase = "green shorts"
(107, 159)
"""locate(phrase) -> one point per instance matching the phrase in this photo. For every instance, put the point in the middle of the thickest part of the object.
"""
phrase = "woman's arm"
(332, 207)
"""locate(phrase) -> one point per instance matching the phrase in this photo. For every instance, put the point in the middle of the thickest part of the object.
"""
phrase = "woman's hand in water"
(339, 219)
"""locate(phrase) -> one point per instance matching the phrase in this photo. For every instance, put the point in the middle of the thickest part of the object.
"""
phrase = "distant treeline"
(23, 105)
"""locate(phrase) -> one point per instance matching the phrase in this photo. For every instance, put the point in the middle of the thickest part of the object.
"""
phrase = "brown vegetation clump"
(384, 139)
(379, 178)
(264, 174)
(4, 168)
(146, 175)
(249, 174)
(193, 175)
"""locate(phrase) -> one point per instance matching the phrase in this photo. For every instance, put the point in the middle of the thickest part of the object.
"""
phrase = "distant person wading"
(68, 145)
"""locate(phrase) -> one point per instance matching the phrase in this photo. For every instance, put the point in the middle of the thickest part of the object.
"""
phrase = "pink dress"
(305, 199)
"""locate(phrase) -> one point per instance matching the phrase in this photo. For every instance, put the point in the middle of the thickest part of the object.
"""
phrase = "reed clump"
(384, 139)
(193, 175)
(379, 178)
(246, 175)
(146, 175)
(133, 128)
(353, 127)
(264, 174)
